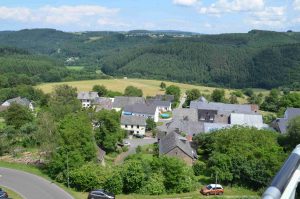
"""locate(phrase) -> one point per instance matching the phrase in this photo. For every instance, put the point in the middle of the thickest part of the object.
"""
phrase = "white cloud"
(270, 16)
(229, 6)
(185, 2)
(296, 4)
(61, 15)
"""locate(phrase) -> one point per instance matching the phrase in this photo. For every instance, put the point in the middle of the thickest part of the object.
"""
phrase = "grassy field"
(149, 87)
(2, 123)
(12, 194)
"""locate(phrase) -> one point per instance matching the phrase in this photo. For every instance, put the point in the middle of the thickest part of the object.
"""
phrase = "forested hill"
(256, 59)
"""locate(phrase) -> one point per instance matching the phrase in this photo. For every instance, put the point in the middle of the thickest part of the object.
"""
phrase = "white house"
(144, 110)
(133, 124)
(250, 120)
(87, 98)
(18, 100)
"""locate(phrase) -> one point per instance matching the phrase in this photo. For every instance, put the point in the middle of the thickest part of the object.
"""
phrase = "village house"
(163, 106)
(133, 124)
(144, 110)
(18, 100)
(102, 103)
(280, 124)
(120, 102)
(169, 98)
(174, 145)
(87, 98)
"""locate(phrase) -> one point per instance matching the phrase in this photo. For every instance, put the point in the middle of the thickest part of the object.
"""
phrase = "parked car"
(3, 194)
(212, 189)
(126, 143)
(100, 194)
(139, 136)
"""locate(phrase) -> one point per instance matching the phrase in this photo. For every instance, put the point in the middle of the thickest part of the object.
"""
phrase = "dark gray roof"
(133, 120)
(87, 95)
(169, 98)
(185, 113)
(122, 101)
(102, 103)
(147, 109)
(291, 113)
(19, 100)
(222, 108)
(189, 127)
(158, 102)
(173, 140)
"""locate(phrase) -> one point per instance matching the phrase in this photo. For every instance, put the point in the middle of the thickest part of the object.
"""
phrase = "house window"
(132, 126)
(138, 126)
(138, 132)
(126, 126)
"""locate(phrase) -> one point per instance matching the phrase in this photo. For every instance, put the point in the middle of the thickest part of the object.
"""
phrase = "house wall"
(133, 128)
(177, 152)
(164, 108)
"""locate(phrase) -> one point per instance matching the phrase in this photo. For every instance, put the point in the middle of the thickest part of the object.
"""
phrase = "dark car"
(3, 194)
(100, 194)
(139, 136)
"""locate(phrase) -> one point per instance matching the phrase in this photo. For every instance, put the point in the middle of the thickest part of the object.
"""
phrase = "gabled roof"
(122, 101)
(252, 120)
(158, 102)
(181, 125)
(147, 109)
(186, 114)
(87, 95)
(103, 103)
(292, 113)
(173, 140)
(223, 108)
(169, 98)
(133, 120)
(19, 100)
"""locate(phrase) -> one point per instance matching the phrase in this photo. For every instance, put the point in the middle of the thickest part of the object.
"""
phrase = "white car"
(126, 143)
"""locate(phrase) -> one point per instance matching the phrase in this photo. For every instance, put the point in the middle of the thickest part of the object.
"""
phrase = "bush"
(199, 168)
(114, 183)
(125, 148)
(138, 149)
(154, 185)
(88, 177)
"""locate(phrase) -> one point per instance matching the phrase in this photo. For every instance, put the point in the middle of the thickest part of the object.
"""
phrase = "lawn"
(11, 193)
(2, 123)
(149, 87)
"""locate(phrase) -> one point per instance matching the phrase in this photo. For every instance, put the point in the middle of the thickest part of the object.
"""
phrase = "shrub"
(138, 149)
(88, 177)
(154, 185)
(114, 183)
(199, 168)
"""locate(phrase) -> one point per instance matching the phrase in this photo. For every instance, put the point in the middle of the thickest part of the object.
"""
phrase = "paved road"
(30, 186)
(134, 143)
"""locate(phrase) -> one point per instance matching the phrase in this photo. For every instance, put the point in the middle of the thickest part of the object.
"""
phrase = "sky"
(202, 16)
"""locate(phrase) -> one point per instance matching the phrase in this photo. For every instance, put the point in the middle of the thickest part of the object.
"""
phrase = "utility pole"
(216, 183)
(68, 177)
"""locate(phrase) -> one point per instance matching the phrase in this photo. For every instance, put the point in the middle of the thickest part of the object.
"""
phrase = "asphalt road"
(134, 143)
(30, 186)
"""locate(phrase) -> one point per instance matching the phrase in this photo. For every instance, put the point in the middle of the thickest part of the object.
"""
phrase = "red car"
(212, 189)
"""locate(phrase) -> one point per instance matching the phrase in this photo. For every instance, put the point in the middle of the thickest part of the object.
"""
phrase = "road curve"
(30, 186)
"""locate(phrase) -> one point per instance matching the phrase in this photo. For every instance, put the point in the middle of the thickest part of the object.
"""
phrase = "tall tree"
(174, 90)
(75, 143)
(163, 85)
(100, 89)
(64, 101)
(132, 91)
(18, 115)
(191, 95)
(109, 131)
(218, 95)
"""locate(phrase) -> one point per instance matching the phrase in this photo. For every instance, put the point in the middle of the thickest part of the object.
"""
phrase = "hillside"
(260, 59)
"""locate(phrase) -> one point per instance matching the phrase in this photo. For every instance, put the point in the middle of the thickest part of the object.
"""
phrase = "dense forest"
(262, 59)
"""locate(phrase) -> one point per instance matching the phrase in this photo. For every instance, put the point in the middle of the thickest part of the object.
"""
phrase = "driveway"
(30, 186)
(134, 143)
